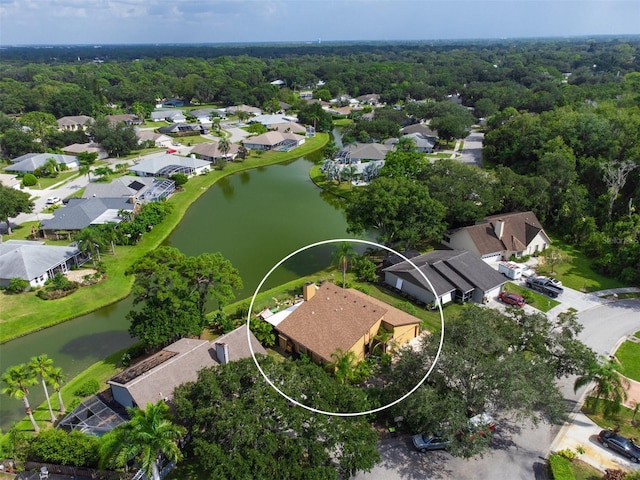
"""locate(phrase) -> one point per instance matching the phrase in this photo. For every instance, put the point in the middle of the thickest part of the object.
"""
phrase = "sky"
(37, 22)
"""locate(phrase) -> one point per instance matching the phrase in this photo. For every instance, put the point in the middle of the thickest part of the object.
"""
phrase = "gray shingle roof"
(120, 187)
(31, 161)
(81, 212)
(449, 270)
(29, 260)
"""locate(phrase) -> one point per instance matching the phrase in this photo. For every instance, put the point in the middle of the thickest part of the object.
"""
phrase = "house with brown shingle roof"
(274, 141)
(333, 318)
(211, 151)
(500, 236)
(74, 122)
(156, 377)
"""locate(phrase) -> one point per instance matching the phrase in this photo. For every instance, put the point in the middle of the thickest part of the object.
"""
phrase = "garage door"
(494, 257)
(492, 293)
(446, 298)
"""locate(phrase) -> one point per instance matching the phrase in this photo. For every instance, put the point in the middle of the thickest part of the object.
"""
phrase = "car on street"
(620, 444)
(511, 299)
(53, 200)
(424, 442)
(555, 281)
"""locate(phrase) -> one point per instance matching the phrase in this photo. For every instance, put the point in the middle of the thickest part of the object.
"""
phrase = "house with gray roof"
(203, 115)
(79, 213)
(75, 122)
(171, 116)
(76, 148)
(29, 162)
(126, 187)
(211, 152)
(243, 108)
(126, 118)
(456, 275)
(424, 143)
(159, 139)
(272, 120)
(156, 377)
(166, 164)
(36, 262)
(184, 129)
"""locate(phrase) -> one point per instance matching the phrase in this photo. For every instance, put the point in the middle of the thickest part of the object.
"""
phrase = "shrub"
(29, 180)
(62, 448)
(89, 387)
(560, 468)
(567, 453)
(17, 285)
(407, 307)
(179, 178)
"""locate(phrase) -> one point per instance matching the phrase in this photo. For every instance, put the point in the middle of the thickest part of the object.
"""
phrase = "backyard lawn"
(578, 272)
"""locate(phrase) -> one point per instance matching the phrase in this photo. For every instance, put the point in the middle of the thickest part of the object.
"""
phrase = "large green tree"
(173, 289)
(149, 434)
(118, 140)
(400, 210)
(12, 203)
(242, 428)
(489, 361)
(15, 143)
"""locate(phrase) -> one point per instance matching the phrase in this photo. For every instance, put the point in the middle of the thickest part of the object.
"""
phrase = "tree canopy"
(493, 361)
(242, 428)
(12, 203)
(172, 291)
(400, 210)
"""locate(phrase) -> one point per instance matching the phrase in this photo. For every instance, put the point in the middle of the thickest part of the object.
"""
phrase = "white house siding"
(538, 244)
(461, 240)
(447, 297)
(493, 293)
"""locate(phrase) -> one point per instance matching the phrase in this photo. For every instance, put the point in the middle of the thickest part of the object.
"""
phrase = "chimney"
(498, 228)
(308, 291)
(222, 352)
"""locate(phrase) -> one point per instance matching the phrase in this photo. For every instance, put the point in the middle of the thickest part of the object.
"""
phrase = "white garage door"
(446, 298)
(492, 293)
(494, 257)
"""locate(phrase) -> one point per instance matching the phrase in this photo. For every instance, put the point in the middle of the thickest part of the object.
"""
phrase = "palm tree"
(342, 256)
(18, 379)
(148, 435)
(349, 173)
(608, 384)
(382, 340)
(90, 240)
(343, 365)
(41, 366)
(85, 170)
(224, 145)
(56, 379)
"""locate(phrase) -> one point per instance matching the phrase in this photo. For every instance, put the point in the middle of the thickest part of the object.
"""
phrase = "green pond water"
(254, 218)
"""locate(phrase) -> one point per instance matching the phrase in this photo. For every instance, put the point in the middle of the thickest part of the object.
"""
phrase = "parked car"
(424, 442)
(527, 271)
(620, 444)
(53, 200)
(511, 299)
(555, 281)
(482, 424)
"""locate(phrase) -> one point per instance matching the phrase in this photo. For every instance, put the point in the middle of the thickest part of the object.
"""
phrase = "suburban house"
(171, 116)
(159, 140)
(126, 118)
(363, 152)
(77, 122)
(419, 128)
(456, 275)
(175, 102)
(29, 162)
(156, 377)
(244, 108)
(184, 128)
(35, 262)
(9, 180)
(289, 127)
(203, 115)
(127, 187)
(500, 236)
(272, 120)
(372, 99)
(306, 94)
(166, 164)
(332, 318)
(424, 143)
(76, 148)
(79, 213)
(274, 141)
(211, 152)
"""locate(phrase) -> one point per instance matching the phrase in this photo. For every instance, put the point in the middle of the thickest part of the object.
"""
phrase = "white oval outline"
(343, 414)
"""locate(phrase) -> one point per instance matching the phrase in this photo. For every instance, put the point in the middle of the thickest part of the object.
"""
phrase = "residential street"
(520, 452)
(471, 152)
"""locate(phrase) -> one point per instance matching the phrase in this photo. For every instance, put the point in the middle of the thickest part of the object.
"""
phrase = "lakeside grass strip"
(25, 313)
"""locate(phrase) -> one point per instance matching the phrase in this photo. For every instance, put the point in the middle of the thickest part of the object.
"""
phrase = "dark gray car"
(424, 442)
(620, 444)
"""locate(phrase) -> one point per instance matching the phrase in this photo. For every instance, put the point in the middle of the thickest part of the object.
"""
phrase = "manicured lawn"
(25, 313)
(622, 419)
(629, 356)
(343, 189)
(536, 300)
(46, 182)
(143, 151)
(578, 272)
(342, 122)
(583, 471)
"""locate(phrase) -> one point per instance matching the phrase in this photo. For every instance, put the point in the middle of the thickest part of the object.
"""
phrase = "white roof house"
(29, 162)
(165, 165)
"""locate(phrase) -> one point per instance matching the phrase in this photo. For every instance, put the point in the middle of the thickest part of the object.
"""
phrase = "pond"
(254, 218)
